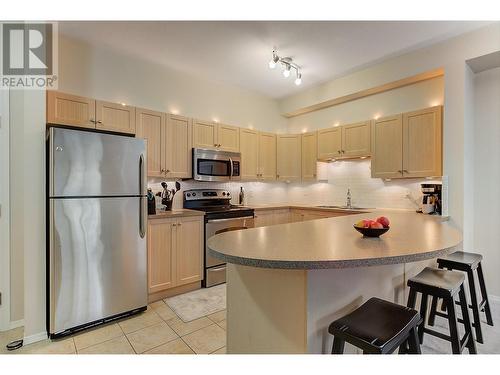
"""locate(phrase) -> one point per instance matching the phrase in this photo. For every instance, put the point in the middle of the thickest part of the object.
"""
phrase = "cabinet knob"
(179, 224)
(339, 151)
(167, 171)
(405, 171)
(174, 224)
(99, 121)
(92, 121)
(400, 171)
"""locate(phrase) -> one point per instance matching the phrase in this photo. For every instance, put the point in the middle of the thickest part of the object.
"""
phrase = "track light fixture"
(288, 65)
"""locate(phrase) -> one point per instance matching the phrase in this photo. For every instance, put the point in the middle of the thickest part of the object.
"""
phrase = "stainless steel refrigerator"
(97, 220)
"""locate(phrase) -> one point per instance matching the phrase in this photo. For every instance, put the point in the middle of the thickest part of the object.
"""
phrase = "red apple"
(376, 225)
(367, 223)
(384, 221)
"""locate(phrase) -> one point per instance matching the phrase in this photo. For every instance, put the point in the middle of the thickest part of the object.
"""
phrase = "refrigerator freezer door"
(97, 260)
(95, 164)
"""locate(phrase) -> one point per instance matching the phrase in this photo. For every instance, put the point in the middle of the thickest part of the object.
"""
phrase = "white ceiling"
(238, 53)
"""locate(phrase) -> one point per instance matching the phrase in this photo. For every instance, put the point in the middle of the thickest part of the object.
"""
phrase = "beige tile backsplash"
(335, 177)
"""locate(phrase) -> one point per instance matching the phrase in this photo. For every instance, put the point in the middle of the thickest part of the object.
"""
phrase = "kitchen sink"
(344, 207)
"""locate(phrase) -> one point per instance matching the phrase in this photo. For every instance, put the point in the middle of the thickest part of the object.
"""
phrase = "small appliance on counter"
(431, 199)
(167, 195)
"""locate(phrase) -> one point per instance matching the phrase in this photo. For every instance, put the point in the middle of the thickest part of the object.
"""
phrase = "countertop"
(181, 212)
(334, 243)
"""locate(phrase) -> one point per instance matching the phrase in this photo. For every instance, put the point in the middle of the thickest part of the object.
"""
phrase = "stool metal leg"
(471, 344)
(453, 324)
(338, 345)
(423, 313)
(482, 286)
(475, 306)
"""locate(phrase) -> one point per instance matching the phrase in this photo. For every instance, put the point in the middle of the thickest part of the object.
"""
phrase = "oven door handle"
(229, 219)
(231, 166)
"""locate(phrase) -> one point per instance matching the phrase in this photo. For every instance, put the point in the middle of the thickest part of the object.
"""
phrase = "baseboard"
(34, 338)
(16, 323)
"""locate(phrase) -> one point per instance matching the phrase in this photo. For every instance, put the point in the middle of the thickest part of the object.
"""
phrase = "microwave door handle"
(231, 166)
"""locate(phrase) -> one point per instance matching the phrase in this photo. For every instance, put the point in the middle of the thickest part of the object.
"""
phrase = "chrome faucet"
(348, 202)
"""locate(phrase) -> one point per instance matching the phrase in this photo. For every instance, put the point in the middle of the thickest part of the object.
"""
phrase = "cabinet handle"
(277, 176)
(99, 121)
(92, 121)
(167, 171)
(400, 171)
(405, 171)
(343, 151)
(174, 224)
(179, 224)
(339, 151)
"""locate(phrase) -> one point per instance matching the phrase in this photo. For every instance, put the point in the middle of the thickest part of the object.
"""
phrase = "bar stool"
(446, 285)
(377, 327)
(467, 262)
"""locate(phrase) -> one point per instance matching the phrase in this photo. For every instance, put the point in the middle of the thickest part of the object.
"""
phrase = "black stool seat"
(468, 263)
(377, 326)
(462, 258)
(447, 285)
(446, 281)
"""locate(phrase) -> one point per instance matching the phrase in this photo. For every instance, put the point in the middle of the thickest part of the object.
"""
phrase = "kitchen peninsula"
(286, 283)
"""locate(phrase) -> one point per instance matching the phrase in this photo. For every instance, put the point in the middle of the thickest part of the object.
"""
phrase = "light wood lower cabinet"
(175, 252)
(70, 110)
(309, 156)
(264, 218)
(115, 117)
(288, 157)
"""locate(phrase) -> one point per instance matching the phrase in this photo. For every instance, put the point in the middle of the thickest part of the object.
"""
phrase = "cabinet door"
(267, 156)
(387, 147)
(204, 134)
(115, 117)
(71, 110)
(296, 216)
(189, 250)
(281, 216)
(151, 126)
(329, 143)
(228, 138)
(356, 140)
(178, 150)
(309, 156)
(288, 157)
(422, 143)
(249, 148)
(161, 255)
(263, 218)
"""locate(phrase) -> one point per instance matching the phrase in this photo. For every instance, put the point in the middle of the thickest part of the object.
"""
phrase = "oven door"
(215, 269)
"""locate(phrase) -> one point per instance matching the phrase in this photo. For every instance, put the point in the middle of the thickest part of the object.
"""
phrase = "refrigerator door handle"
(143, 202)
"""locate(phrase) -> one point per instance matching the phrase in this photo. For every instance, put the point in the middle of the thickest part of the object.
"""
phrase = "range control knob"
(188, 194)
(224, 193)
(194, 194)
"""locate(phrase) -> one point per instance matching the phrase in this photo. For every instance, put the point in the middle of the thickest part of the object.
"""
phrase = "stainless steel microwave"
(216, 165)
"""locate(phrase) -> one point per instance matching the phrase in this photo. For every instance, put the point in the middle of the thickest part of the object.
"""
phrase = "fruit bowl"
(371, 232)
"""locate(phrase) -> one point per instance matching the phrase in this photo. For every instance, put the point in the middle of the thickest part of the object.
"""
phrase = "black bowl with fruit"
(373, 228)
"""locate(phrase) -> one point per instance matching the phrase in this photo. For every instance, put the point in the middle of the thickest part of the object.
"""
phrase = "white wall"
(109, 75)
(487, 174)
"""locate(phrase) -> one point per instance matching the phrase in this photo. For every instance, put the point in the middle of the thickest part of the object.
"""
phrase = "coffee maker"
(431, 199)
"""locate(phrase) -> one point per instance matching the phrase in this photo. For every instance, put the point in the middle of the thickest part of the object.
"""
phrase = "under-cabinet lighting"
(215, 119)
(336, 124)
(123, 104)
(377, 116)
(174, 112)
(363, 157)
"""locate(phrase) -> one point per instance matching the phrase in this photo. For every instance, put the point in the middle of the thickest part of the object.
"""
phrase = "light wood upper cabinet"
(161, 255)
(309, 155)
(175, 252)
(387, 147)
(228, 138)
(422, 143)
(249, 148)
(288, 160)
(329, 143)
(267, 156)
(151, 126)
(115, 117)
(70, 110)
(178, 149)
(356, 140)
(204, 134)
(189, 250)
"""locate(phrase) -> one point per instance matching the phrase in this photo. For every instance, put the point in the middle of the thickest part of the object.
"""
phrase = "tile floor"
(160, 331)
(156, 331)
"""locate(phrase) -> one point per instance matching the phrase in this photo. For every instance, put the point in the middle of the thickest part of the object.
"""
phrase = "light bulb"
(286, 72)
(298, 80)
(272, 64)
